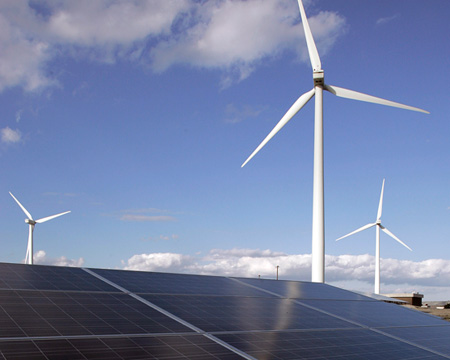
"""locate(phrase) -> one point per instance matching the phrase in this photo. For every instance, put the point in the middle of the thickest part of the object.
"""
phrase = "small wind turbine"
(318, 226)
(377, 251)
(32, 223)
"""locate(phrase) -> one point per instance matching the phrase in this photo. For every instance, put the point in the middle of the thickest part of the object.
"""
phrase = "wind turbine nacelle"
(318, 77)
(31, 222)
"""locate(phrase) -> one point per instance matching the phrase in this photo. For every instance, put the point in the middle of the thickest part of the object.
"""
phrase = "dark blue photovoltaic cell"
(375, 313)
(163, 283)
(40, 277)
(214, 313)
(342, 345)
(26, 313)
(436, 338)
(195, 347)
(304, 290)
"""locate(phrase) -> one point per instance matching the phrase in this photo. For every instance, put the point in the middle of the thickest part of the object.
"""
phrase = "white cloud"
(355, 272)
(235, 252)
(236, 35)
(33, 34)
(41, 258)
(22, 57)
(168, 262)
(19, 115)
(231, 35)
(88, 23)
(10, 136)
(387, 19)
(230, 32)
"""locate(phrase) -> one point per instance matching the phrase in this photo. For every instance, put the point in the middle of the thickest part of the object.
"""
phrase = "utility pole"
(277, 270)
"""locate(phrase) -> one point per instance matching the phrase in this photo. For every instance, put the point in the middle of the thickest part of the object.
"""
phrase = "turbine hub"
(31, 222)
(318, 77)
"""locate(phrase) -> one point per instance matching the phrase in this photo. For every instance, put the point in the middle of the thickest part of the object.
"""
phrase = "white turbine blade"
(312, 50)
(350, 94)
(380, 205)
(50, 217)
(357, 230)
(394, 237)
(22, 207)
(295, 108)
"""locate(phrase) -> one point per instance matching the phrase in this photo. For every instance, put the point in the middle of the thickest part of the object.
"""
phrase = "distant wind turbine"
(377, 251)
(32, 223)
(318, 225)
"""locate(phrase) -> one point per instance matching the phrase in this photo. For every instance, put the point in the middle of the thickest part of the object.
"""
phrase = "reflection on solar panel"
(51, 312)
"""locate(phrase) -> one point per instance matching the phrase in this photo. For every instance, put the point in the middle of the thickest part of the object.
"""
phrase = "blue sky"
(137, 116)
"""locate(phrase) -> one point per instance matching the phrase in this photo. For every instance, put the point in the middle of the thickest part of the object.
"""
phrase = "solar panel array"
(49, 312)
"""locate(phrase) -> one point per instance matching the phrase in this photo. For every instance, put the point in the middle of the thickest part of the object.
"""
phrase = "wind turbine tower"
(318, 223)
(377, 239)
(29, 220)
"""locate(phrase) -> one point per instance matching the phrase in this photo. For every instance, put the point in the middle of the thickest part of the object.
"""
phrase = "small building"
(411, 298)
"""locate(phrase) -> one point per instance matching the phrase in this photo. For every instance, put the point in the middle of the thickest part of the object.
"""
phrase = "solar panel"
(214, 313)
(302, 289)
(165, 283)
(434, 337)
(49, 312)
(374, 313)
(40, 277)
(345, 344)
(195, 347)
(45, 313)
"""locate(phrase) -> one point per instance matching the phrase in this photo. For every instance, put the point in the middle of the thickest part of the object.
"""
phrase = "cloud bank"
(354, 272)
(233, 36)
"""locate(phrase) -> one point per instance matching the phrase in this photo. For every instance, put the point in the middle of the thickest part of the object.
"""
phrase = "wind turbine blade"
(350, 94)
(357, 230)
(22, 207)
(394, 237)
(50, 217)
(380, 205)
(312, 50)
(295, 108)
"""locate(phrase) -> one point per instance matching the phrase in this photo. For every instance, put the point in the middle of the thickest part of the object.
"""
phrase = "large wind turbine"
(318, 231)
(32, 223)
(377, 251)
